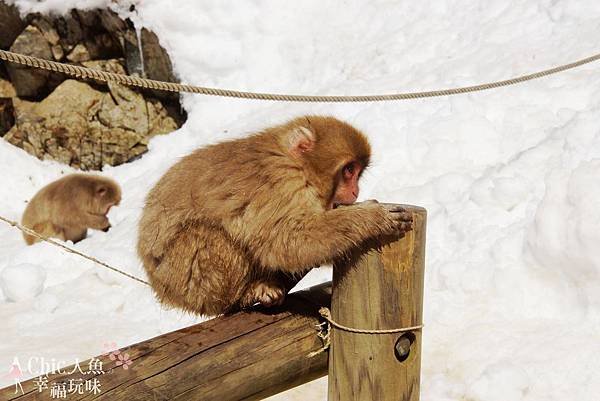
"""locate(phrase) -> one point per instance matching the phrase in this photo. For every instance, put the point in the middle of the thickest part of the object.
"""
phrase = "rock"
(7, 89)
(157, 63)
(159, 121)
(71, 97)
(7, 115)
(11, 25)
(22, 106)
(54, 128)
(57, 52)
(78, 54)
(29, 82)
(102, 46)
(124, 109)
(111, 21)
(46, 28)
(113, 65)
(70, 31)
(81, 126)
(88, 18)
(85, 125)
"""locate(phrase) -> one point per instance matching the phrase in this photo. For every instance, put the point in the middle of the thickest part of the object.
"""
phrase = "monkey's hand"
(401, 217)
(395, 220)
(98, 222)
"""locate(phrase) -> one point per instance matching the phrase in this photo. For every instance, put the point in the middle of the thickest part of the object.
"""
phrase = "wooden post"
(382, 290)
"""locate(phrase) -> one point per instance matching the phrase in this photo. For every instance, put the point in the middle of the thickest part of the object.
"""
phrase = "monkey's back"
(214, 184)
(41, 206)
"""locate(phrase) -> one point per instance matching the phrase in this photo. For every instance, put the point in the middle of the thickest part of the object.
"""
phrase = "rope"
(326, 313)
(325, 332)
(68, 249)
(84, 72)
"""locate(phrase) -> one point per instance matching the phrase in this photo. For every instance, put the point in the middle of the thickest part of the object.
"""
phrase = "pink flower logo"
(121, 359)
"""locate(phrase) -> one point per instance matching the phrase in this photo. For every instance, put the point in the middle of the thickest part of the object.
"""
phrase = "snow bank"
(22, 282)
(509, 178)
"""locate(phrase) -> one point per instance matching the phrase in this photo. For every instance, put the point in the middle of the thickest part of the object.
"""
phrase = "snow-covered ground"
(510, 178)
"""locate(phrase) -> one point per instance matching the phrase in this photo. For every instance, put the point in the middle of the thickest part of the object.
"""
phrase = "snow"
(509, 178)
(22, 282)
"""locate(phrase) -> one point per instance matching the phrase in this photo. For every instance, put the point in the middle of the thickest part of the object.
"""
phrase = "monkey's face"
(346, 191)
(105, 197)
(334, 155)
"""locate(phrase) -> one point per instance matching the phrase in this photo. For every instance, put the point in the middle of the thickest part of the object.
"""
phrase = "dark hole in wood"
(403, 344)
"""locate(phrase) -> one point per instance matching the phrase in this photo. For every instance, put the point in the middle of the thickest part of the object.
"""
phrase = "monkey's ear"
(301, 140)
(101, 190)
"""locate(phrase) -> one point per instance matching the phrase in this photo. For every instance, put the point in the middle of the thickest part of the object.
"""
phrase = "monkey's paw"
(402, 219)
(267, 293)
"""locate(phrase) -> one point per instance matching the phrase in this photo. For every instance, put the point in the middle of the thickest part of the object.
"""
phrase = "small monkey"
(228, 225)
(67, 207)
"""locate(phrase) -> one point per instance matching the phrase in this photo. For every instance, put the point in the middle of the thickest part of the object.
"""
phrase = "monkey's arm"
(301, 241)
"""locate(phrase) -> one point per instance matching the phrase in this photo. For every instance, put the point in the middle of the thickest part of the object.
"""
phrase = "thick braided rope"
(84, 72)
(68, 249)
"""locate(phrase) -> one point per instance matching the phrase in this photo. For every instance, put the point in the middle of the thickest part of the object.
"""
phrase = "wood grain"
(245, 356)
(382, 289)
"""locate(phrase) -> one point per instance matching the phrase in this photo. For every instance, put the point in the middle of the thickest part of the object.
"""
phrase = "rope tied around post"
(326, 313)
(324, 332)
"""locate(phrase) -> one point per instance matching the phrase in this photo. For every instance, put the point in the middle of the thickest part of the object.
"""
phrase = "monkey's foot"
(267, 293)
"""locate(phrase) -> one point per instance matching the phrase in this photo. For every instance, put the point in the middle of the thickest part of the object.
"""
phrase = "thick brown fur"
(223, 226)
(67, 207)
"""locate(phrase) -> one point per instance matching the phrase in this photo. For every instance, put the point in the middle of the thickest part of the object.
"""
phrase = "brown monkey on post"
(67, 207)
(226, 224)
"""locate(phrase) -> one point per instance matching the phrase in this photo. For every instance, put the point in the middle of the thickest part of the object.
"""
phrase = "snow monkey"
(227, 225)
(67, 207)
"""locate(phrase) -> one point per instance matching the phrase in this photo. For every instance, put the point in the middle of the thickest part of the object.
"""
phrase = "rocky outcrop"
(83, 124)
(29, 82)
(86, 128)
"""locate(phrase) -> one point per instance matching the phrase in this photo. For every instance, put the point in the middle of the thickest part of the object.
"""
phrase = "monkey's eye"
(349, 170)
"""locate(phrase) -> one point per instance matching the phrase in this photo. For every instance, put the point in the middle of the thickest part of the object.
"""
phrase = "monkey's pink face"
(346, 191)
